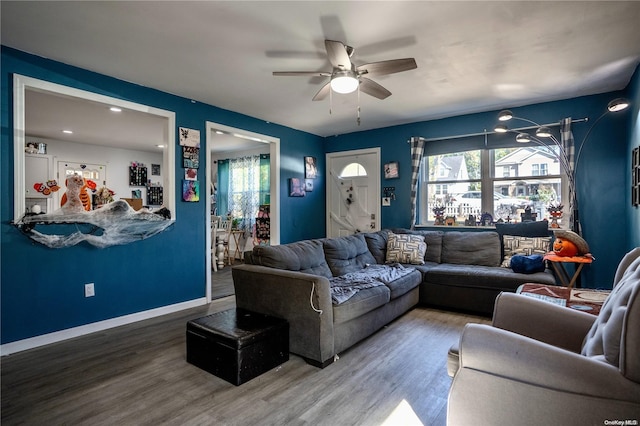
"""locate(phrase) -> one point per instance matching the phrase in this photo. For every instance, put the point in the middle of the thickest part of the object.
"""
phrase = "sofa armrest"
(506, 378)
(515, 357)
(302, 299)
(542, 321)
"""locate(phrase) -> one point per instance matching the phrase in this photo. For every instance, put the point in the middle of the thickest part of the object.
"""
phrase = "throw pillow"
(522, 229)
(524, 246)
(406, 248)
(527, 264)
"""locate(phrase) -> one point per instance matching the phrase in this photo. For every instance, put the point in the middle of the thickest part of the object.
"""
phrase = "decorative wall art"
(308, 185)
(191, 174)
(391, 170)
(296, 187)
(191, 190)
(310, 168)
(155, 170)
(189, 137)
(190, 157)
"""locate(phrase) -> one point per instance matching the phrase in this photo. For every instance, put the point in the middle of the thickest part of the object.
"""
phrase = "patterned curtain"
(417, 149)
(568, 148)
(244, 190)
(222, 196)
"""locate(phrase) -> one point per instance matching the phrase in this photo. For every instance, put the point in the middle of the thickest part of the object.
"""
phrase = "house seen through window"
(502, 182)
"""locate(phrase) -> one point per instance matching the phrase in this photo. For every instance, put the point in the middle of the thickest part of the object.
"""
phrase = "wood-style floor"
(137, 375)
(222, 282)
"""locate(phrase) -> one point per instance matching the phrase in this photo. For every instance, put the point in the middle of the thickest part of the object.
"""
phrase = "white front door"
(353, 192)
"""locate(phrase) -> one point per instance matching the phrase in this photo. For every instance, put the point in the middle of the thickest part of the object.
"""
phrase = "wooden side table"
(557, 263)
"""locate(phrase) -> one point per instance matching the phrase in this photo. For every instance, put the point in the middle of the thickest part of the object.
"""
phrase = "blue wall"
(602, 176)
(42, 289)
(634, 142)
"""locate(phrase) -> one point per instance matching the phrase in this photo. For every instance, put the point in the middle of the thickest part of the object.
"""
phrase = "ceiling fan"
(346, 77)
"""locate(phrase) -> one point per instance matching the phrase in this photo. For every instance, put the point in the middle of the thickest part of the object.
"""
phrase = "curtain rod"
(485, 133)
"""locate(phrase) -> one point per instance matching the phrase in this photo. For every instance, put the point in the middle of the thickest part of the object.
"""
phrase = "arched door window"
(353, 170)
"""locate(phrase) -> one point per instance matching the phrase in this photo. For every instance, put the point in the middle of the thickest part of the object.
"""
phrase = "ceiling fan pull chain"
(358, 119)
(330, 100)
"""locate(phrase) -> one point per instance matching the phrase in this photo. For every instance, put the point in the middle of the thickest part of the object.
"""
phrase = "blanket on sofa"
(346, 286)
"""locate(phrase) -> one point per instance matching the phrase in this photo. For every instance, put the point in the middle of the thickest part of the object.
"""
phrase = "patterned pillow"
(406, 248)
(524, 246)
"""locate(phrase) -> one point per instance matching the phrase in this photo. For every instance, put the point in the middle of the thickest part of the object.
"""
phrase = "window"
(353, 170)
(503, 181)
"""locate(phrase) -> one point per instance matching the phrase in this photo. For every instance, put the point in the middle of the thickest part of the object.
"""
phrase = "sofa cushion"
(404, 284)
(347, 254)
(503, 279)
(523, 246)
(377, 243)
(362, 302)
(405, 248)
(471, 248)
(303, 256)
(613, 337)
(433, 240)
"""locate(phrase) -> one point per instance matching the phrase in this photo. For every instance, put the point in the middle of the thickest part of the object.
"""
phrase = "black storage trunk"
(237, 345)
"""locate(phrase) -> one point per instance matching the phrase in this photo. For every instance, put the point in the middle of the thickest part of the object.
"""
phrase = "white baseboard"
(58, 336)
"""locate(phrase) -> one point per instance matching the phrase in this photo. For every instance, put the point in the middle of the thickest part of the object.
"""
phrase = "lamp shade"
(501, 128)
(543, 132)
(618, 105)
(505, 115)
(344, 82)
(523, 138)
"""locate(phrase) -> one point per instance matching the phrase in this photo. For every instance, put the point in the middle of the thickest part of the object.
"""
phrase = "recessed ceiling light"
(67, 131)
(115, 109)
(160, 146)
(219, 132)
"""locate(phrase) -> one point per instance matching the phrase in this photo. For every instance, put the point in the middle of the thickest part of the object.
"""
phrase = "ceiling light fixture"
(344, 81)
(115, 109)
(67, 131)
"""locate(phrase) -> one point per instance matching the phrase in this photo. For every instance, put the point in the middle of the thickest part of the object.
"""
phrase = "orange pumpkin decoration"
(564, 248)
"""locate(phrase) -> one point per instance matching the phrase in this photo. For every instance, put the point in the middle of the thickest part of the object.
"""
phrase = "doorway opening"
(224, 142)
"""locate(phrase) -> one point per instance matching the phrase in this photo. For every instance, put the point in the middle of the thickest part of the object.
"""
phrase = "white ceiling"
(472, 56)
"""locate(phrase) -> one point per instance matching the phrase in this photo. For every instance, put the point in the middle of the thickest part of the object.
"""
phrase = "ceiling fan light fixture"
(523, 138)
(505, 115)
(618, 105)
(543, 132)
(344, 82)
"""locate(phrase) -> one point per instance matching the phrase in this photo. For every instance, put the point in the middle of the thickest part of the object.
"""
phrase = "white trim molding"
(58, 336)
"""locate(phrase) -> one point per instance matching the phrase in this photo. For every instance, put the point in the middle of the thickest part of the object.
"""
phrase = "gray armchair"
(539, 363)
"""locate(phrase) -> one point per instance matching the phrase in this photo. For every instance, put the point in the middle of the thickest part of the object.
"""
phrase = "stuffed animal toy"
(76, 198)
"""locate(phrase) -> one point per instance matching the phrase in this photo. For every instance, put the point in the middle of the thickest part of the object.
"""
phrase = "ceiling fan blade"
(387, 67)
(372, 88)
(302, 73)
(323, 92)
(337, 53)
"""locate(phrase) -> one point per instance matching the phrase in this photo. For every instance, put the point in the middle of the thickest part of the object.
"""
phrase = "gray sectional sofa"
(308, 283)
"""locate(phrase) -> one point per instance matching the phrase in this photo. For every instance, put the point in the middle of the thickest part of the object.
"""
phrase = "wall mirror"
(59, 129)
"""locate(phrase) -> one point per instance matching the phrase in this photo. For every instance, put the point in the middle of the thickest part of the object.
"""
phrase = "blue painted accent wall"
(602, 176)
(634, 141)
(42, 289)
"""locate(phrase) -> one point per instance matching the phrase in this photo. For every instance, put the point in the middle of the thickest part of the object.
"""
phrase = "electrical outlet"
(89, 290)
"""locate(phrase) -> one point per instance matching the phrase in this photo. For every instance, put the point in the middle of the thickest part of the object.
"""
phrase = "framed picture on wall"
(296, 187)
(308, 185)
(310, 168)
(391, 170)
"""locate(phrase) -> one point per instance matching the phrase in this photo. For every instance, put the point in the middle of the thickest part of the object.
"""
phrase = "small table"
(237, 345)
(586, 300)
(557, 262)
(236, 234)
